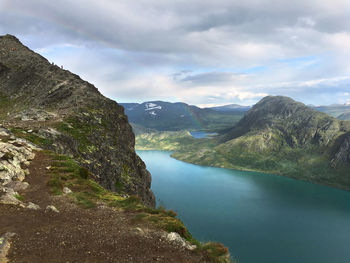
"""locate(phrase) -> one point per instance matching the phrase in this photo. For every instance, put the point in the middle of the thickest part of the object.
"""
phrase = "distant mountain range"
(340, 111)
(232, 108)
(166, 116)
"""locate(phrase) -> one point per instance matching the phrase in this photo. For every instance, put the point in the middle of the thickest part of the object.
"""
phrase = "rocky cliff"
(70, 116)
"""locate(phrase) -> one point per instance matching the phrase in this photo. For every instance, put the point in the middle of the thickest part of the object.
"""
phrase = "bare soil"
(100, 234)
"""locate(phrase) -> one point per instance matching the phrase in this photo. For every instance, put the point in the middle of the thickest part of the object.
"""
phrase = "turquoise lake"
(261, 218)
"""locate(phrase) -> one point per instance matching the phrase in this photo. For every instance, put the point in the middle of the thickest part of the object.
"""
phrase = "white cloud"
(136, 49)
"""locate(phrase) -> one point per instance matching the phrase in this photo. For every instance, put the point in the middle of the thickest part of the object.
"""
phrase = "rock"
(9, 198)
(15, 156)
(17, 185)
(48, 168)
(4, 132)
(32, 206)
(51, 208)
(177, 239)
(66, 190)
(5, 246)
(139, 231)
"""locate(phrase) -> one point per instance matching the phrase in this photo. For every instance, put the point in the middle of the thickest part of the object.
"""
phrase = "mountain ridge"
(71, 113)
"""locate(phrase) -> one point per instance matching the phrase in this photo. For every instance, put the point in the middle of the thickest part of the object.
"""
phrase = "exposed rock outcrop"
(15, 156)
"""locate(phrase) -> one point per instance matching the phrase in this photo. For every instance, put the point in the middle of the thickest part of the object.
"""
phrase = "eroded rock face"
(74, 116)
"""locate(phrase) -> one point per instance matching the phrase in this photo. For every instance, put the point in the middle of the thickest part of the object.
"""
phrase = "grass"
(78, 130)
(32, 137)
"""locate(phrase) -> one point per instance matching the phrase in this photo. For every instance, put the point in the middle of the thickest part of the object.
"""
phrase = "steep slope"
(71, 117)
(166, 116)
(282, 136)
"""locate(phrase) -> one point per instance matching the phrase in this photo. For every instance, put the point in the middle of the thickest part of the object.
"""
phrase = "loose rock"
(51, 208)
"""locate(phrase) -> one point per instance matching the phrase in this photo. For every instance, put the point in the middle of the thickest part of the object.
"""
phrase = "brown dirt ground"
(75, 234)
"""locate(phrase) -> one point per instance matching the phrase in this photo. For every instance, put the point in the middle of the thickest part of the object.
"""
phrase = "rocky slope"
(282, 136)
(71, 117)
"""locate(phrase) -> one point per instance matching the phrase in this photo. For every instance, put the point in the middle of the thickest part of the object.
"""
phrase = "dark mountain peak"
(10, 38)
(25, 74)
(278, 105)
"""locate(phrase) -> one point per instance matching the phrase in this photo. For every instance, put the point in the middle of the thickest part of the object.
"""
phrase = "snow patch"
(152, 106)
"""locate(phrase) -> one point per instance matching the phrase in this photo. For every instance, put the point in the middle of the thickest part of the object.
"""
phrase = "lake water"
(201, 134)
(261, 218)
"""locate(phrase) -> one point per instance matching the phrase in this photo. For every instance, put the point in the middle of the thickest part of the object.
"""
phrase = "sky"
(200, 52)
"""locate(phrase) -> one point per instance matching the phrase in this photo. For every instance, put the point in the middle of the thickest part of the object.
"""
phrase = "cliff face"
(71, 117)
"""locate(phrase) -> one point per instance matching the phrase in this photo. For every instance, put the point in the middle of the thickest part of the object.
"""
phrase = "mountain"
(298, 124)
(73, 114)
(344, 116)
(72, 188)
(232, 108)
(335, 110)
(281, 136)
(166, 116)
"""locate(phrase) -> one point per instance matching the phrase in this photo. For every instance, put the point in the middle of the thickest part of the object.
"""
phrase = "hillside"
(335, 110)
(72, 187)
(166, 116)
(344, 116)
(281, 136)
(231, 108)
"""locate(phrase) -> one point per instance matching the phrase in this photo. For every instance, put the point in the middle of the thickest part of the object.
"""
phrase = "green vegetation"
(19, 197)
(32, 137)
(79, 130)
(167, 141)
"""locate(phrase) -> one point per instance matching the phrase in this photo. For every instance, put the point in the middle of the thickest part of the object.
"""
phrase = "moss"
(215, 252)
(19, 197)
(83, 172)
(119, 186)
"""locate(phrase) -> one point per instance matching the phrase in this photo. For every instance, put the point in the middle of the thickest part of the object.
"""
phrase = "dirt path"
(79, 235)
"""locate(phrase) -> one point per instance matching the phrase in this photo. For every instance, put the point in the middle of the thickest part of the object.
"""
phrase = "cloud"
(194, 49)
